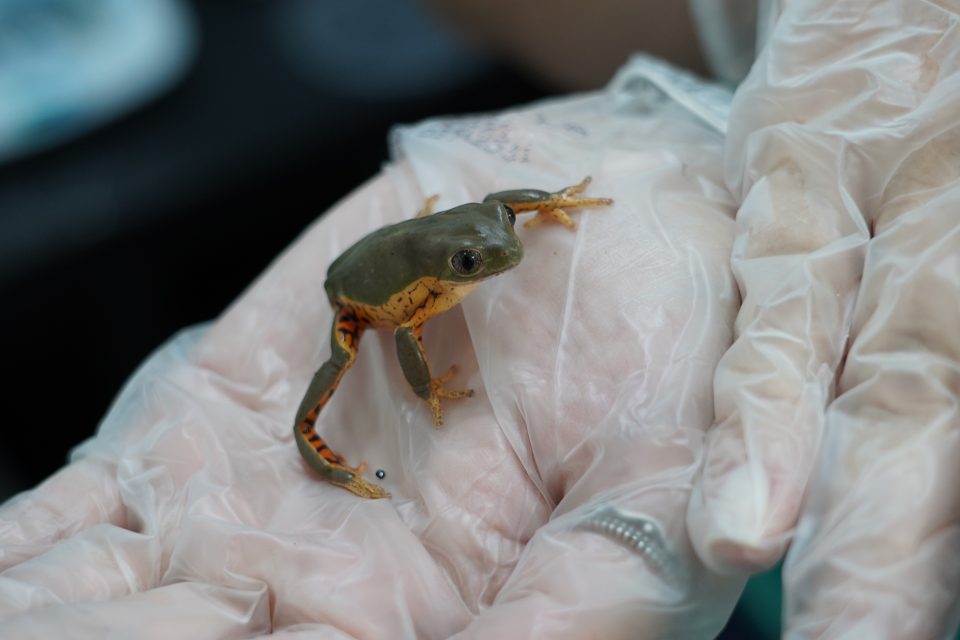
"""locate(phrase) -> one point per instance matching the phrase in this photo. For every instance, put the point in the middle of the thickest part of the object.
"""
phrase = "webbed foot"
(352, 480)
(551, 209)
(428, 205)
(437, 391)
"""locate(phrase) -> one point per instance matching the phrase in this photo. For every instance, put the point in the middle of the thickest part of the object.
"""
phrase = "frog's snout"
(512, 255)
(515, 251)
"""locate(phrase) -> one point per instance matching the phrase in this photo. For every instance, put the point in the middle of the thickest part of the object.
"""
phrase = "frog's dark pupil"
(511, 215)
(466, 261)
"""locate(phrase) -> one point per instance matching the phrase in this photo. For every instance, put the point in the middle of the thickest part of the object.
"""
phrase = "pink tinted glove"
(551, 504)
(837, 407)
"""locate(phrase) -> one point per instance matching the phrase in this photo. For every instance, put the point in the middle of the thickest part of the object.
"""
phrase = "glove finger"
(812, 170)
(185, 610)
(353, 566)
(100, 563)
(883, 514)
(78, 496)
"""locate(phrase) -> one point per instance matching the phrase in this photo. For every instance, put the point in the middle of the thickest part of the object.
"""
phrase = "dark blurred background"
(218, 131)
(113, 240)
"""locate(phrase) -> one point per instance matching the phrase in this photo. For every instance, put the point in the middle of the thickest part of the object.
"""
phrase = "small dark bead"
(381, 474)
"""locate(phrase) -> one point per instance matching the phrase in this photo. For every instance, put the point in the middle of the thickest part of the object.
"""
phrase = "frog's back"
(391, 274)
(375, 266)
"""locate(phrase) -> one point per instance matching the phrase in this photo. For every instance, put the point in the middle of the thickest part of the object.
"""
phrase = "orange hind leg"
(347, 329)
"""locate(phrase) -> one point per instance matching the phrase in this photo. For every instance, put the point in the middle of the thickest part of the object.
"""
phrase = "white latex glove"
(842, 387)
(192, 514)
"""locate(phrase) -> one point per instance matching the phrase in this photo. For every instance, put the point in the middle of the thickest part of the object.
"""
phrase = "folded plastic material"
(592, 361)
(838, 402)
(566, 498)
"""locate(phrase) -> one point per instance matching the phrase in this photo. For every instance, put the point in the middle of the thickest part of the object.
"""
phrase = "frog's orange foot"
(356, 484)
(552, 209)
(558, 216)
(428, 206)
(437, 392)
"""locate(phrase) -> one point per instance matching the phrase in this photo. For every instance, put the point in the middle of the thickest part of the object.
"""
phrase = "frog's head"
(475, 241)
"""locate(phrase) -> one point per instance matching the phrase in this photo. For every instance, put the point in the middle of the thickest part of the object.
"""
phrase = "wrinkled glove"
(837, 406)
(551, 504)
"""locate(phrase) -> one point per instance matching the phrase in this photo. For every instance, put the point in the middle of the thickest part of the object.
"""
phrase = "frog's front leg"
(413, 361)
(428, 205)
(347, 329)
(549, 206)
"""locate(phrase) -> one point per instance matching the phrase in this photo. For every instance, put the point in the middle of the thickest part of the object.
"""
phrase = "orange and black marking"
(411, 307)
(318, 444)
(348, 326)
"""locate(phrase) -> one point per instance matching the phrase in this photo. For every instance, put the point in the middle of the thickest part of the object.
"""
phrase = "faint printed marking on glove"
(490, 135)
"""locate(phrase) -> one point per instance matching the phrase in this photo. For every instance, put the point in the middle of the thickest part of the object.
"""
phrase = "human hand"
(844, 148)
(191, 512)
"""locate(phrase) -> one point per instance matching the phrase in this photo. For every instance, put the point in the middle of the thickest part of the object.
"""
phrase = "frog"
(402, 275)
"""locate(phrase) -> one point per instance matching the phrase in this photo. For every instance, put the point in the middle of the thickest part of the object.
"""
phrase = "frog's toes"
(440, 380)
(434, 402)
(575, 189)
(352, 480)
(550, 215)
(551, 209)
(428, 206)
(437, 391)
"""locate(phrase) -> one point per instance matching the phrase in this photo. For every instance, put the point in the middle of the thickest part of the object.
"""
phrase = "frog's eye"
(511, 215)
(466, 262)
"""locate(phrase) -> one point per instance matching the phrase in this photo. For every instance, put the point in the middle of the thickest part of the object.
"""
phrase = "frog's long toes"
(435, 410)
(438, 391)
(533, 222)
(575, 189)
(358, 486)
(439, 381)
(445, 394)
(454, 395)
(556, 215)
(552, 209)
(428, 206)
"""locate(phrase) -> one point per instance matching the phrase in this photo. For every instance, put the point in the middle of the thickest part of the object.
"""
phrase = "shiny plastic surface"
(838, 428)
(574, 495)
(593, 364)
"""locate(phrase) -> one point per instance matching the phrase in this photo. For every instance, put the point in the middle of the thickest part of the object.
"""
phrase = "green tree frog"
(400, 276)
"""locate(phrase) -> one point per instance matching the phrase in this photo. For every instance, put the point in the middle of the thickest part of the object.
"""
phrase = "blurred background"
(156, 155)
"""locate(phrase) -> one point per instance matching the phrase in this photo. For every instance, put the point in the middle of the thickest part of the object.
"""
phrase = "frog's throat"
(414, 304)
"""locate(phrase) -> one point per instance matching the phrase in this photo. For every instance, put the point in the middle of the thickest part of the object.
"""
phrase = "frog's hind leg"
(549, 206)
(413, 361)
(347, 329)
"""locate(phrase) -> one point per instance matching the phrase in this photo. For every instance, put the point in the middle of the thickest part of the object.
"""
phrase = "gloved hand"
(551, 504)
(837, 406)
